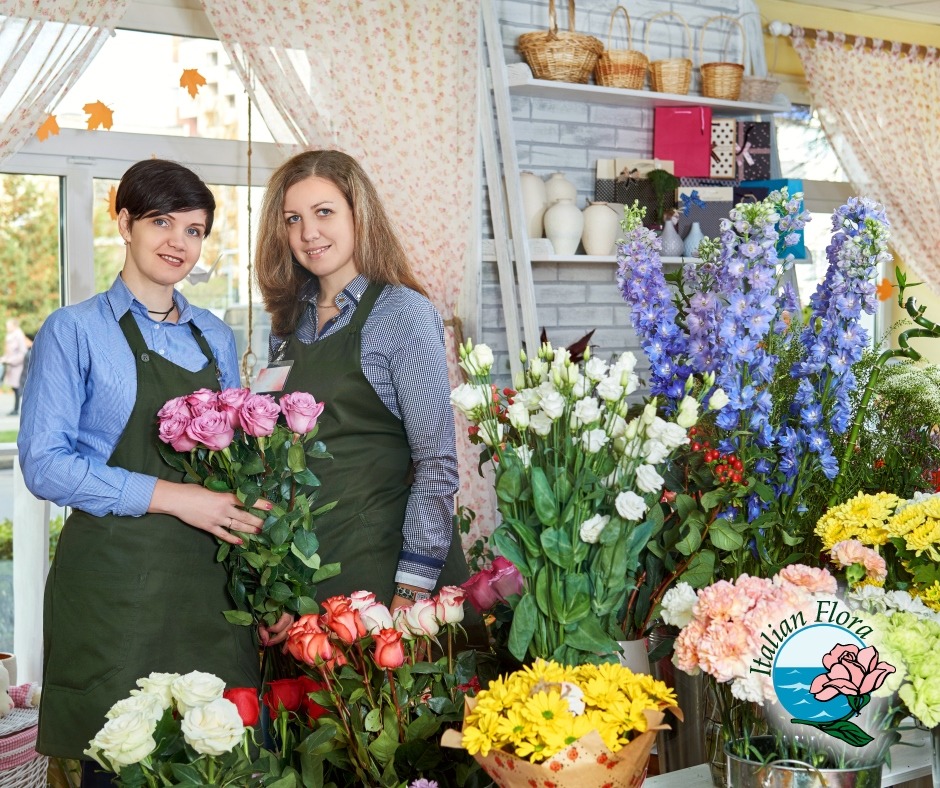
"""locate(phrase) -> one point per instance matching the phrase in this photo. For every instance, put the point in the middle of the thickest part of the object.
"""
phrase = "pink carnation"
(850, 551)
(811, 578)
(725, 650)
(724, 601)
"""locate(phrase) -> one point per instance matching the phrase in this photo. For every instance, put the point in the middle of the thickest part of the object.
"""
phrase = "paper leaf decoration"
(49, 126)
(112, 207)
(98, 115)
(884, 290)
(192, 80)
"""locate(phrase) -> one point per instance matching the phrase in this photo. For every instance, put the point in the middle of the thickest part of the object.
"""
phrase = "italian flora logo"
(822, 670)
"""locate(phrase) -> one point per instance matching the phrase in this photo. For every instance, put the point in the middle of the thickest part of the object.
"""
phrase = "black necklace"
(165, 314)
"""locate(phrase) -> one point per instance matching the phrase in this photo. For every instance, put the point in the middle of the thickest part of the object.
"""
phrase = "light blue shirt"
(81, 389)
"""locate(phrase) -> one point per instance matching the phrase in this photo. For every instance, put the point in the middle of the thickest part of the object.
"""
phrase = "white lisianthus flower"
(717, 400)
(518, 415)
(654, 451)
(648, 480)
(617, 427)
(632, 428)
(595, 369)
(609, 389)
(470, 400)
(530, 398)
(158, 684)
(540, 424)
(524, 453)
(491, 433)
(594, 440)
(196, 689)
(560, 356)
(628, 447)
(553, 405)
(478, 361)
(151, 706)
(565, 375)
(630, 382)
(214, 728)
(591, 528)
(626, 362)
(688, 412)
(678, 603)
(648, 417)
(585, 411)
(673, 435)
(538, 369)
(582, 387)
(630, 506)
(124, 740)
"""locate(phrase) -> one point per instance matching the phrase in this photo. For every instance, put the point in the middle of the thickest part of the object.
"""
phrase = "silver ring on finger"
(230, 520)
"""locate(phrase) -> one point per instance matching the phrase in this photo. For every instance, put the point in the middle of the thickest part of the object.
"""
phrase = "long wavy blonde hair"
(377, 250)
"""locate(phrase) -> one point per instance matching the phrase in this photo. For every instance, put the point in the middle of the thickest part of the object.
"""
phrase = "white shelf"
(521, 83)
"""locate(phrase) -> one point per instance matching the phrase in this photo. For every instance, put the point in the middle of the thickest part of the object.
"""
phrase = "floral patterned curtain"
(879, 108)
(393, 83)
(45, 46)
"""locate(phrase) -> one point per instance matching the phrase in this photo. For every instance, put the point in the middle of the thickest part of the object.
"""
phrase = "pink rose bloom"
(201, 401)
(480, 591)
(258, 415)
(506, 578)
(421, 618)
(212, 430)
(301, 411)
(172, 430)
(851, 551)
(449, 605)
(811, 578)
(851, 671)
(230, 403)
(173, 407)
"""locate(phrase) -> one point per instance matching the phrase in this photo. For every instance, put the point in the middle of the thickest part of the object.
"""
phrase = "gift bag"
(614, 177)
(752, 151)
(723, 143)
(793, 186)
(684, 135)
(604, 181)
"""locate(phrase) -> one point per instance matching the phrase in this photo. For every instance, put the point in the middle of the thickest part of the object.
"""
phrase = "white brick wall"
(569, 137)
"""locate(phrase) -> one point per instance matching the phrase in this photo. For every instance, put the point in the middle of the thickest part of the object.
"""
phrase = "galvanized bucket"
(743, 773)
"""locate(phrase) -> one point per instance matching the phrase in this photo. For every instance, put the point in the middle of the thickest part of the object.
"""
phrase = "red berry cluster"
(726, 467)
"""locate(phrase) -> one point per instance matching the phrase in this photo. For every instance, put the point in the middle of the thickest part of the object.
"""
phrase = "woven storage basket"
(621, 68)
(17, 742)
(564, 56)
(28, 775)
(721, 79)
(674, 74)
(759, 90)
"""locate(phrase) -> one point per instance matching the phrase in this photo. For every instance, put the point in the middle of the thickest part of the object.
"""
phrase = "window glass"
(804, 148)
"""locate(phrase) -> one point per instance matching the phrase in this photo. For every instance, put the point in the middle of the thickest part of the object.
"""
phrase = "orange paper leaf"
(49, 126)
(98, 115)
(192, 80)
(884, 290)
(111, 198)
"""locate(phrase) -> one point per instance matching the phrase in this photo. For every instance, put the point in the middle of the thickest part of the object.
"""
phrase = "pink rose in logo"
(212, 430)
(230, 403)
(851, 671)
(202, 400)
(301, 411)
(259, 415)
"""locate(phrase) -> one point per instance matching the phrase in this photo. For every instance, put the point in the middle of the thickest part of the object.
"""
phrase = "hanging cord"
(249, 359)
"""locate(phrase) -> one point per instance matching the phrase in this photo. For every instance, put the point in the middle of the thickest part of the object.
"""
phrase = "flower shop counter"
(907, 763)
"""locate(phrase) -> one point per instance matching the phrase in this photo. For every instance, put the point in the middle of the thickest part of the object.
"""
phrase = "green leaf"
(237, 617)
(723, 535)
(546, 507)
(700, 570)
(711, 499)
(279, 533)
(546, 591)
(383, 747)
(306, 605)
(588, 635)
(253, 559)
(524, 620)
(505, 545)
(577, 599)
(556, 543)
(692, 539)
(422, 727)
(685, 504)
(216, 484)
(306, 543)
(326, 571)
(373, 721)
(296, 460)
(847, 731)
(222, 553)
(187, 773)
(509, 481)
(279, 592)
(253, 466)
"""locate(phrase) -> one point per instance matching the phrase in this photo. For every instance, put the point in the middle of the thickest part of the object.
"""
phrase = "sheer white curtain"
(44, 48)
(878, 107)
(393, 83)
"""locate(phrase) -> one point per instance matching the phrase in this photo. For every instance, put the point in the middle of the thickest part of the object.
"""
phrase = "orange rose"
(344, 622)
(389, 651)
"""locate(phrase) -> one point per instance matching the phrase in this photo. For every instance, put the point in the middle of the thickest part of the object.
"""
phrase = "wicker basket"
(670, 75)
(28, 775)
(20, 765)
(721, 79)
(621, 68)
(563, 56)
(758, 90)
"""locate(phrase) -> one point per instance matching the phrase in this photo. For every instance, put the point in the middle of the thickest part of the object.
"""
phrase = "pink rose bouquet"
(257, 447)
(386, 704)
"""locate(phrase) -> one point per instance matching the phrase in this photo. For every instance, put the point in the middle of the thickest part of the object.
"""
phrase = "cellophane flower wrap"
(381, 702)
(257, 447)
(577, 473)
(552, 725)
(180, 730)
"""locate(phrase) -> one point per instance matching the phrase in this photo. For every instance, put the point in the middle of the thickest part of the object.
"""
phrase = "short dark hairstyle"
(155, 186)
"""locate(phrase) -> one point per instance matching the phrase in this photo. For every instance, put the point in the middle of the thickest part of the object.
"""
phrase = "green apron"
(371, 467)
(127, 596)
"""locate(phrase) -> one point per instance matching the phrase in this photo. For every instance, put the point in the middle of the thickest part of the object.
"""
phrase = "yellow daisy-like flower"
(546, 708)
(476, 741)
(533, 750)
(862, 517)
(566, 733)
(544, 671)
(930, 595)
(514, 727)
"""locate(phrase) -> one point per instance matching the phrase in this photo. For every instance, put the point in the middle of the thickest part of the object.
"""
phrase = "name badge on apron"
(272, 378)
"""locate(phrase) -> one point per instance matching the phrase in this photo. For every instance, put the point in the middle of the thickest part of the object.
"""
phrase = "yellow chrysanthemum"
(514, 727)
(930, 595)
(546, 708)
(476, 741)
(862, 517)
(532, 750)
(566, 733)
(545, 671)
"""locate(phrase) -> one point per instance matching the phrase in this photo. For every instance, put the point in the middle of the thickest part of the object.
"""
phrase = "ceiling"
(927, 11)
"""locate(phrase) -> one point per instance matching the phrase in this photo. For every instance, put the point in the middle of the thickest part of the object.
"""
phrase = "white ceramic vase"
(692, 240)
(534, 202)
(672, 245)
(633, 655)
(9, 662)
(558, 187)
(601, 224)
(563, 226)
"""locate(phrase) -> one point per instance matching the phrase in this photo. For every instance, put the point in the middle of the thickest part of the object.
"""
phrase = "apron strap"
(139, 347)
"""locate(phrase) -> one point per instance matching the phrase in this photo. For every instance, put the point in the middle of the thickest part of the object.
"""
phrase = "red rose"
(314, 710)
(480, 591)
(506, 580)
(284, 693)
(246, 701)
(389, 651)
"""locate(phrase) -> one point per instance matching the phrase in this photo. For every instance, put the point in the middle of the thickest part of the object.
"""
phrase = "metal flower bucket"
(743, 773)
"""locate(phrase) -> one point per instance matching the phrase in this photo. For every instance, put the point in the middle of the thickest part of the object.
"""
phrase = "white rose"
(585, 412)
(491, 433)
(158, 684)
(594, 440)
(151, 706)
(609, 389)
(717, 400)
(540, 424)
(518, 414)
(470, 400)
(678, 603)
(673, 436)
(524, 453)
(530, 398)
(196, 689)
(214, 728)
(591, 529)
(654, 451)
(478, 361)
(595, 369)
(375, 617)
(630, 506)
(553, 405)
(648, 480)
(124, 740)
(688, 412)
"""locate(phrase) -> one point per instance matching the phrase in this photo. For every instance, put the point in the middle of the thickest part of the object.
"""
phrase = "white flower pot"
(558, 187)
(534, 202)
(601, 224)
(563, 226)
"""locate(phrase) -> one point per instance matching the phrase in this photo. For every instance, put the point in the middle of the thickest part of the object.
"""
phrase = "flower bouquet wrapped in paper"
(568, 727)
